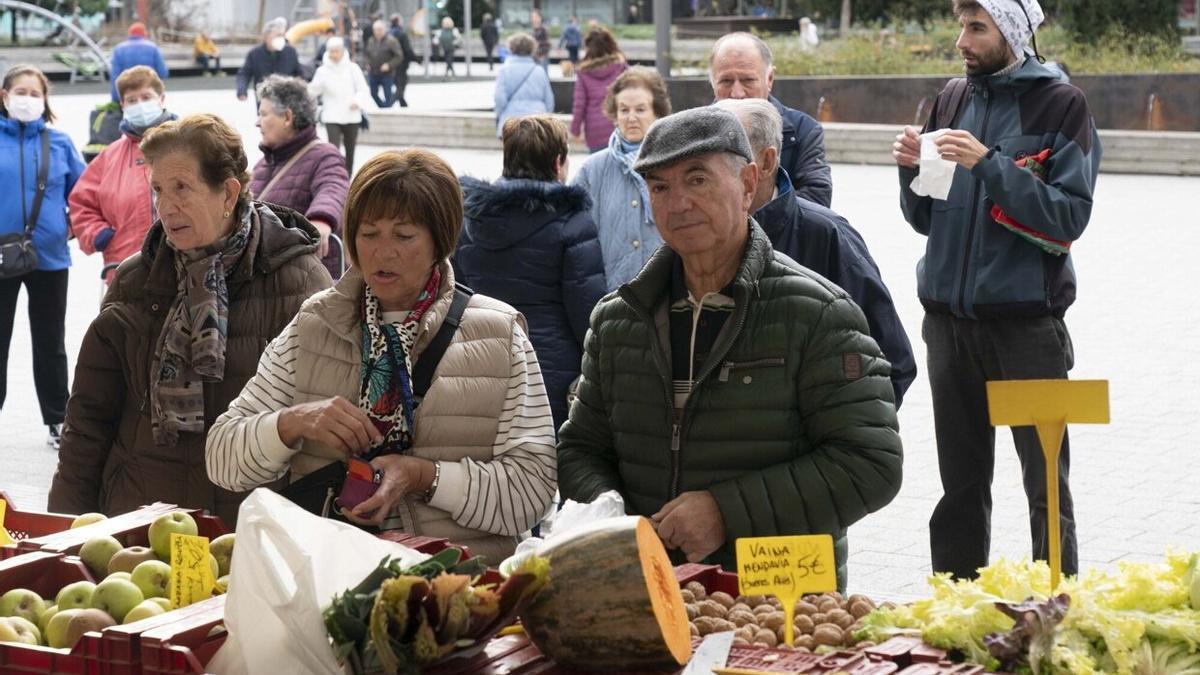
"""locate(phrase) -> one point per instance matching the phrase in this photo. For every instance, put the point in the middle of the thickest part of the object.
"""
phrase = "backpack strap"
(951, 102)
(432, 356)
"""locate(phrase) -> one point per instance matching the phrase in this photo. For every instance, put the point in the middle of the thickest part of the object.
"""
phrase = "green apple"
(76, 596)
(66, 627)
(165, 603)
(222, 550)
(18, 629)
(22, 602)
(223, 584)
(56, 628)
(120, 575)
(152, 578)
(215, 566)
(166, 525)
(144, 610)
(97, 552)
(87, 519)
(127, 559)
(45, 616)
(116, 597)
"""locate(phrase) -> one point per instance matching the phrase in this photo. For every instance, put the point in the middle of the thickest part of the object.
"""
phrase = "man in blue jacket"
(740, 66)
(821, 240)
(273, 56)
(136, 50)
(997, 279)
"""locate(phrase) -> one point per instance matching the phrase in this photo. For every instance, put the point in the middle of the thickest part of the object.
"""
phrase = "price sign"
(5, 538)
(191, 573)
(786, 567)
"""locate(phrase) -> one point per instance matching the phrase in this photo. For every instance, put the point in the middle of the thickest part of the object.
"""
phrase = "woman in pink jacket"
(602, 63)
(111, 209)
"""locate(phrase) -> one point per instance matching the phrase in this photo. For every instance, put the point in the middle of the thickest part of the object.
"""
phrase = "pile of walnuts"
(828, 620)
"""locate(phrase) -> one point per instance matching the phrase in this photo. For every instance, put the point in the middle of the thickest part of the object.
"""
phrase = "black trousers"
(401, 84)
(347, 133)
(47, 325)
(487, 49)
(963, 355)
(209, 63)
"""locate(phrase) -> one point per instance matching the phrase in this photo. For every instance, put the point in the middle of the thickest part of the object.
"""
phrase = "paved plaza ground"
(1136, 481)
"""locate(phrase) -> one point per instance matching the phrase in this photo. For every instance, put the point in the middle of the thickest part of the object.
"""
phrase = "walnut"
(765, 637)
(827, 605)
(804, 642)
(828, 634)
(774, 620)
(693, 630)
(859, 609)
(693, 611)
(806, 608)
(724, 598)
(706, 625)
(804, 624)
(742, 618)
(688, 596)
(697, 590)
(712, 608)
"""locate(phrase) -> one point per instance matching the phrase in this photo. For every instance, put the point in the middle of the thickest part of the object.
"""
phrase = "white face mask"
(278, 43)
(25, 108)
(143, 113)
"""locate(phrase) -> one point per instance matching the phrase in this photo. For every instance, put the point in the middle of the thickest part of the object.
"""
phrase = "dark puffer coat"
(533, 245)
(316, 185)
(109, 461)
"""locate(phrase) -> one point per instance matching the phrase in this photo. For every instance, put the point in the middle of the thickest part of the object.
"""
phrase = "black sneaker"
(55, 438)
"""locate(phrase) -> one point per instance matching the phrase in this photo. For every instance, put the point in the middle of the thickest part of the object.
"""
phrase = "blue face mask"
(143, 114)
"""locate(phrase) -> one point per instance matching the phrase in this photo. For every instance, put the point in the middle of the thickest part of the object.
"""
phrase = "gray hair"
(290, 93)
(764, 52)
(334, 43)
(521, 44)
(763, 124)
(278, 23)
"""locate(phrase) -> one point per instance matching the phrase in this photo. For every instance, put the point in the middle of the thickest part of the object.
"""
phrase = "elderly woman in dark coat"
(529, 240)
(182, 328)
(299, 170)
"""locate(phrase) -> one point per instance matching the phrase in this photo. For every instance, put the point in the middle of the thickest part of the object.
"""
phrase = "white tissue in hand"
(937, 174)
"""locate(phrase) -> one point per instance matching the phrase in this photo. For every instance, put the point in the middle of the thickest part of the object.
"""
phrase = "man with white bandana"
(996, 279)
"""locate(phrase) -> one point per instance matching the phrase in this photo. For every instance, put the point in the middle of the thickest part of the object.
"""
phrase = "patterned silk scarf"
(191, 347)
(386, 394)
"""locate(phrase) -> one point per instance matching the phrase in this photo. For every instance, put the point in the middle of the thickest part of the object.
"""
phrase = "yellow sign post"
(191, 573)
(1049, 405)
(786, 567)
(5, 538)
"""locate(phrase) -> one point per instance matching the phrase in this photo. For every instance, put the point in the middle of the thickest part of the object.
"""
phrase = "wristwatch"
(433, 485)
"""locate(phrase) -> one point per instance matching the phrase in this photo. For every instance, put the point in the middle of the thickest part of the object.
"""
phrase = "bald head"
(740, 66)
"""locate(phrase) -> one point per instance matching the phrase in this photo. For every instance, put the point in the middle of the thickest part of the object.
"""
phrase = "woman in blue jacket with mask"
(28, 148)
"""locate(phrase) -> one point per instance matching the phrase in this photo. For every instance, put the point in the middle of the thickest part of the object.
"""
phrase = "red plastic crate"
(128, 528)
(187, 644)
(29, 524)
(428, 545)
(44, 574)
(712, 577)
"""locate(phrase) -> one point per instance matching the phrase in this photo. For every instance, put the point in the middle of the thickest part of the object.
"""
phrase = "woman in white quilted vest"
(473, 459)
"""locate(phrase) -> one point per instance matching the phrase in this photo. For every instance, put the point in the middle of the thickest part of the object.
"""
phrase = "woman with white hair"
(342, 88)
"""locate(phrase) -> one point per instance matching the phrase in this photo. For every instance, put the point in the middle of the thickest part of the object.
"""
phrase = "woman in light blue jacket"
(620, 203)
(522, 86)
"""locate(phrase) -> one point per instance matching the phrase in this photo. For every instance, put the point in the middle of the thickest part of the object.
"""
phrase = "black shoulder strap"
(43, 175)
(951, 102)
(428, 363)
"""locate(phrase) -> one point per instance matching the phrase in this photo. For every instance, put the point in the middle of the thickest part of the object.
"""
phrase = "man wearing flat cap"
(997, 277)
(726, 391)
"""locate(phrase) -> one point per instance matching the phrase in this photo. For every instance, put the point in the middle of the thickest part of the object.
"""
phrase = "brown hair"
(963, 6)
(139, 77)
(531, 145)
(639, 77)
(413, 184)
(27, 69)
(211, 141)
(599, 43)
(521, 44)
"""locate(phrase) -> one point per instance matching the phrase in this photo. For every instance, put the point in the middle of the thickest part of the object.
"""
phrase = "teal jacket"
(790, 425)
(975, 267)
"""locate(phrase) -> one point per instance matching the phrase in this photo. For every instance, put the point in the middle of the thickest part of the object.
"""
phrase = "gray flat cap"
(690, 133)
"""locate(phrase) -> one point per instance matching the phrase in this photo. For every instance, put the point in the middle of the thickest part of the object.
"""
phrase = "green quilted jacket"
(790, 425)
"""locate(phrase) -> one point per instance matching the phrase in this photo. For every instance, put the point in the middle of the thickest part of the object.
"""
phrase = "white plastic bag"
(937, 174)
(572, 515)
(287, 566)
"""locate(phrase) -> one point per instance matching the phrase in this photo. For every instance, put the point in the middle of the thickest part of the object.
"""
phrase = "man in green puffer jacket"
(726, 391)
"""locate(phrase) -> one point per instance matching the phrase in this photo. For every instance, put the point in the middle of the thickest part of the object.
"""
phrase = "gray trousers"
(963, 354)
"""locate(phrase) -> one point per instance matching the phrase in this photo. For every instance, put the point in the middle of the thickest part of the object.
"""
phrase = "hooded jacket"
(111, 208)
(521, 90)
(592, 80)
(316, 185)
(803, 154)
(339, 84)
(825, 243)
(21, 146)
(135, 51)
(109, 461)
(533, 245)
(974, 267)
(621, 211)
(790, 424)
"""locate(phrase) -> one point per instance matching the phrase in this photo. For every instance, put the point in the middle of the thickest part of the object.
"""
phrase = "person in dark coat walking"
(384, 57)
(273, 57)
(401, 76)
(740, 66)
(821, 240)
(299, 170)
(490, 36)
(529, 240)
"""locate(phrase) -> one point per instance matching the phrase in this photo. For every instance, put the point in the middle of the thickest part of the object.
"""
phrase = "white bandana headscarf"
(1013, 23)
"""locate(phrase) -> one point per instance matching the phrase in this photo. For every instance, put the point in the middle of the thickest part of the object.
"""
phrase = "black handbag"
(18, 257)
(316, 491)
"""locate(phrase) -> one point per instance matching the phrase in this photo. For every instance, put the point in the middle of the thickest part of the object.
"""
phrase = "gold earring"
(226, 214)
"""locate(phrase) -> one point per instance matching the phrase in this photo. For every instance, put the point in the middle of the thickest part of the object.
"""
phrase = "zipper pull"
(725, 367)
(675, 437)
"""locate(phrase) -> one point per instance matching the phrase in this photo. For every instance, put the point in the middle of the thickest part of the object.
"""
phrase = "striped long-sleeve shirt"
(506, 495)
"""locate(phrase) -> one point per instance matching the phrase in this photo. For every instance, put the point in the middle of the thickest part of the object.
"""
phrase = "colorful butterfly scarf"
(386, 394)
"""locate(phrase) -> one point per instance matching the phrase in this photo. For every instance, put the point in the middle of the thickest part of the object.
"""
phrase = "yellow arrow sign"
(786, 567)
(5, 538)
(1049, 405)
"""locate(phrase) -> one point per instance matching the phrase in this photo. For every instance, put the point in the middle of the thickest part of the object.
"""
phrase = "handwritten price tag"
(191, 573)
(786, 567)
(5, 538)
